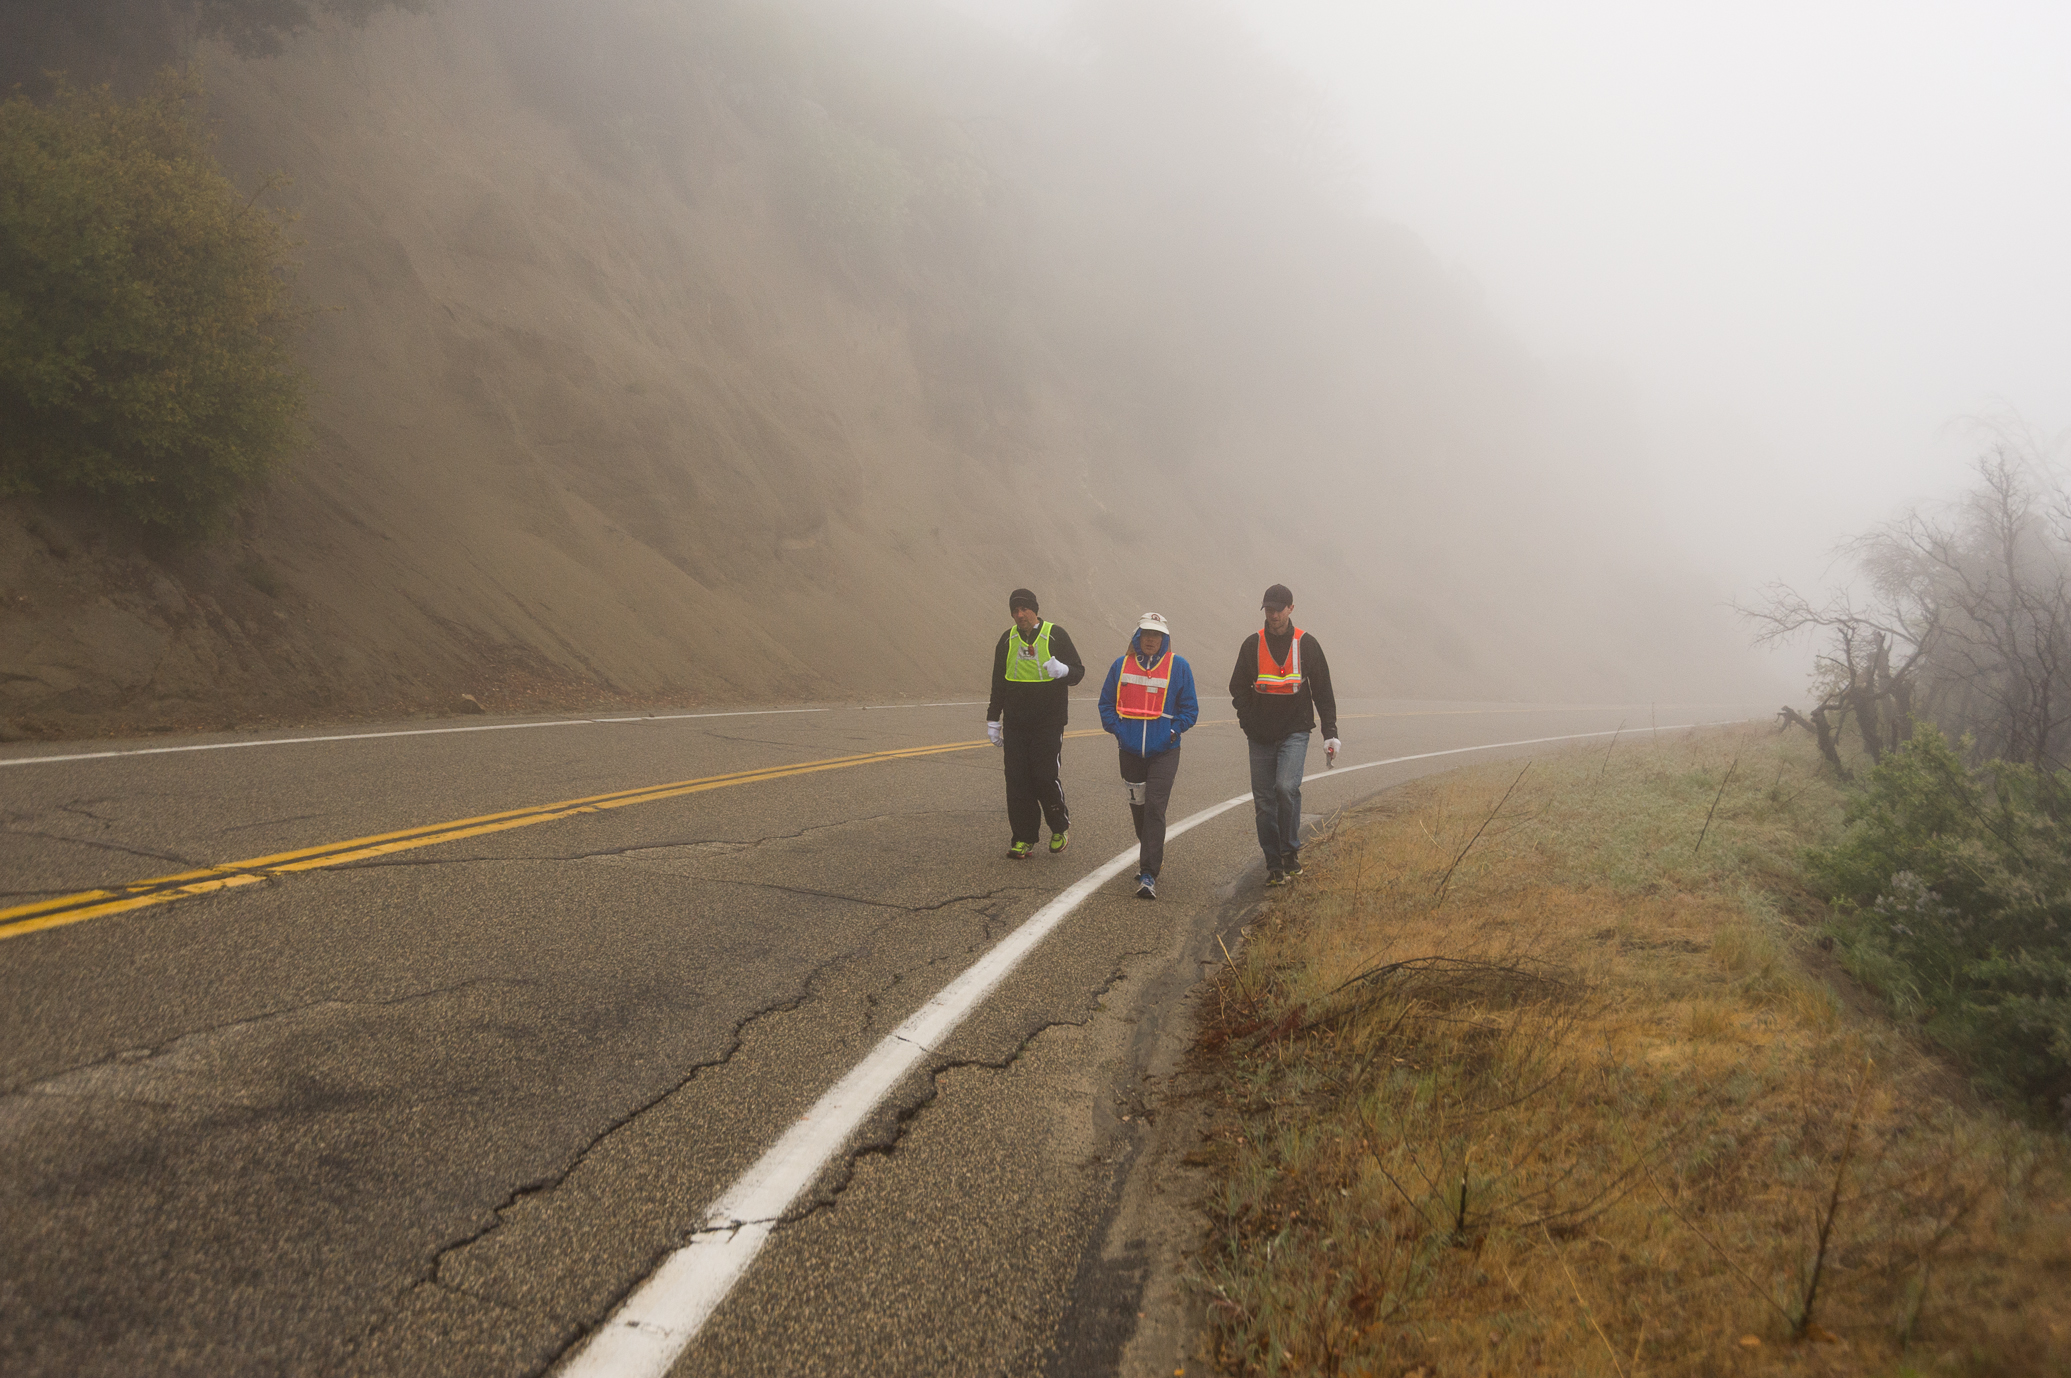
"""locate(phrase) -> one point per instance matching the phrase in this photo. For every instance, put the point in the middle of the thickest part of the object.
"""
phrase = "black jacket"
(1028, 706)
(1275, 717)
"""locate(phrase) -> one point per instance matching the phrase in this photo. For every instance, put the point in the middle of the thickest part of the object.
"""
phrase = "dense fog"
(1812, 245)
(638, 329)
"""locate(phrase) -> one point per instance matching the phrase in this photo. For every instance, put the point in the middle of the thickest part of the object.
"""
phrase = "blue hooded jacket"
(1149, 736)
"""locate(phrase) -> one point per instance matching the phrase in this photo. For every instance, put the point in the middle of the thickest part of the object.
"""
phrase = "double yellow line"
(229, 875)
(93, 904)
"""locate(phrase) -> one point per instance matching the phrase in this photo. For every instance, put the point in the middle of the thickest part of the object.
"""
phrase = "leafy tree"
(142, 309)
(120, 40)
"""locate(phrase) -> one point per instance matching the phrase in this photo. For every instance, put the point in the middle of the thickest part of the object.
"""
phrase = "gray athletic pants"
(1150, 789)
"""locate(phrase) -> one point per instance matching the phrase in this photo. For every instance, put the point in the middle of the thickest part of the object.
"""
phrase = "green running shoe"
(1058, 842)
(1020, 851)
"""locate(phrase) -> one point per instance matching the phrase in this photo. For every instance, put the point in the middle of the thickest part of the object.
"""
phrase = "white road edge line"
(441, 731)
(481, 727)
(659, 1319)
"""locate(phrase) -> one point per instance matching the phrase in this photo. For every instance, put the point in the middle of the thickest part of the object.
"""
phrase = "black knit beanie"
(1022, 598)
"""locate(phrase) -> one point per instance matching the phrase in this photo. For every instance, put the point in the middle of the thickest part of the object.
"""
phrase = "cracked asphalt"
(436, 1113)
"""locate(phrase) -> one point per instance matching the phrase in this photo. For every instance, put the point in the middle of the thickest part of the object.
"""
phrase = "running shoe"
(1293, 871)
(1146, 886)
(1020, 851)
(1058, 842)
(1276, 877)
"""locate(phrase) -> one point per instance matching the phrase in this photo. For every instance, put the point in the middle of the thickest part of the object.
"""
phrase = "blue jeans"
(1276, 797)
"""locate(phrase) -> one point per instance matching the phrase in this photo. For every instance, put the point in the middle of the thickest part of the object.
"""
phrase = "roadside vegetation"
(145, 302)
(144, 309)
(1946, 670)
(1555, 1070)
(1952, 898)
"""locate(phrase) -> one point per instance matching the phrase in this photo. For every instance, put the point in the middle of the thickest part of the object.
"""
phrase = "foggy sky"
(1802, 242)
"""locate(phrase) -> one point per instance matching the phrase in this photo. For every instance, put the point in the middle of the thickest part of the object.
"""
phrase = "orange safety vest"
(1279, 677)
(1140, 693)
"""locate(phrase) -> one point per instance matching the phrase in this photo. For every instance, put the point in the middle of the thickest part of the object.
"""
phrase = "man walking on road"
(1033, 669)
(1281, 676)
(1147, 702)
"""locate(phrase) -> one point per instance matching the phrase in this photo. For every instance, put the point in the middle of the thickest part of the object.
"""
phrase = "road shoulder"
(1133, 1311)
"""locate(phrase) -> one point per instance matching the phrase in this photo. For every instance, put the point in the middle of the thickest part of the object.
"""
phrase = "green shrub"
(142, 309)
(1954, 893)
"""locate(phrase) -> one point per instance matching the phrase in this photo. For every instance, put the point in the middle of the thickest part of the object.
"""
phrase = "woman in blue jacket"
(1147, 702)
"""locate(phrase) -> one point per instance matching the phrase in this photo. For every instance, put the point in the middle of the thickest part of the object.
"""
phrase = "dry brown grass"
(1589, 1113)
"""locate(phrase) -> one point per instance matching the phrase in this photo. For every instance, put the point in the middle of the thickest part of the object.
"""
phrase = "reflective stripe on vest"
(1279, 677)
(1140, 693)
(1024, 661)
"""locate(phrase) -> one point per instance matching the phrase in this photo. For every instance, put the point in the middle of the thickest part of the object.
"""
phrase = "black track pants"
(1155, 775)
(1033, 791)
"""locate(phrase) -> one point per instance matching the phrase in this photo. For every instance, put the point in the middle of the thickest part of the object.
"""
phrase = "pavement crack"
(968, 899)
(131, 1056)
(829, 1193)
(117, 847)
(455, 1290)
(547, 1182)
(746, 844)
(719, 736)
(551, 1179)
(874, 904)
(806, 892)
(731, 1225)
(834, 1185)
(735, 844)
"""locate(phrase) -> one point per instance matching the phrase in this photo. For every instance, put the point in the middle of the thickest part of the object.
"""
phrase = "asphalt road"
(437, 1109)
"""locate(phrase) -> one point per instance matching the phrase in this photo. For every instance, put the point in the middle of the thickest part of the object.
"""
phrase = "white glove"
(1331, 747)
(992, 733)
(1057, 668)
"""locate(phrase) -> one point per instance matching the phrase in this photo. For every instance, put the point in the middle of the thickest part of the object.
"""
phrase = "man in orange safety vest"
(1280, 685)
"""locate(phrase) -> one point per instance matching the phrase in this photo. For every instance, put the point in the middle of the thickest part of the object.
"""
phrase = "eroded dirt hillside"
(668, 364)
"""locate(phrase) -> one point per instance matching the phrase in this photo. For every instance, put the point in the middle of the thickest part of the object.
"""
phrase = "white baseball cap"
(1153, 622)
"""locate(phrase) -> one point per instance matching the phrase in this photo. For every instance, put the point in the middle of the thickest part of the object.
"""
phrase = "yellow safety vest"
(1025, 661)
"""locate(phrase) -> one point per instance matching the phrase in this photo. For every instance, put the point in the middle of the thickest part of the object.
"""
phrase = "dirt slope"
(604, 418)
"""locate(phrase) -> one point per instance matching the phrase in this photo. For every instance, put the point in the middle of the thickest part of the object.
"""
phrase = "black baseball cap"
(1277, 597)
